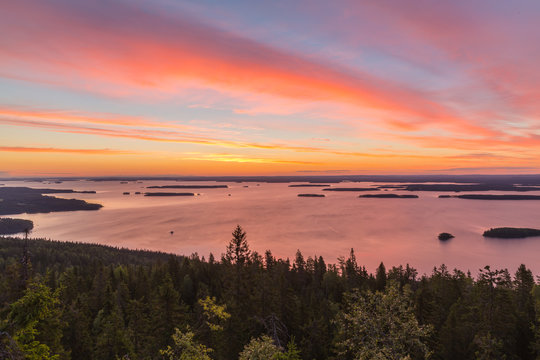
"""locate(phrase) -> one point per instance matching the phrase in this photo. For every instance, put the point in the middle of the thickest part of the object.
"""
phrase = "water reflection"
(396, 231)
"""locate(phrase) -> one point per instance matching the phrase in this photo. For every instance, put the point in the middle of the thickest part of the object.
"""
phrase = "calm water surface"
(396, 231)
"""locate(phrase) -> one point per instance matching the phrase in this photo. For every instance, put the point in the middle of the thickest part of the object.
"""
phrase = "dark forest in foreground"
(62, 300)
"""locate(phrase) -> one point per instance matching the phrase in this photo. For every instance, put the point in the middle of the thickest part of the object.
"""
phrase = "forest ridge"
(63, 300)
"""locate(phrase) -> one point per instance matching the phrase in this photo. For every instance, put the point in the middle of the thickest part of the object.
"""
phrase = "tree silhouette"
(238, 250)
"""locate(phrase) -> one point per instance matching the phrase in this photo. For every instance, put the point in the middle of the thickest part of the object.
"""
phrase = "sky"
(169, 87)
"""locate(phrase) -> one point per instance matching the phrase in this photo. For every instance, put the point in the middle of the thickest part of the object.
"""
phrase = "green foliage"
(262, 348)
(489, 348)
(292, 352)
(214, 313)
(9, 350)
(89, 302)
(185, 348)
(34, 317)
(381, 325)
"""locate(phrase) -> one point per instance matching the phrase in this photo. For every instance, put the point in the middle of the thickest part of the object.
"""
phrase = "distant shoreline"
(521, 179)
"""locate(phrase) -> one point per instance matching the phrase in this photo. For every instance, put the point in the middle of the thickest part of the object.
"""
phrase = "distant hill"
(62, 255)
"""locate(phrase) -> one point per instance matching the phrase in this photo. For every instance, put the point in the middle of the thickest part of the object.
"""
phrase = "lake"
(395, 231)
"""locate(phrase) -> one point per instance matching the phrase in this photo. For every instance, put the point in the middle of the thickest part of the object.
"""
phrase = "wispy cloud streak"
(19, 149)
(130, 47)
(173, 136)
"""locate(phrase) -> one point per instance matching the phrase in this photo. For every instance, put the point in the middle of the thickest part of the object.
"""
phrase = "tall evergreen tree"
(380, 277)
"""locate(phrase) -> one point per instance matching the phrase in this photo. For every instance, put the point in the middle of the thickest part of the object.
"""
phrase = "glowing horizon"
(273, 88)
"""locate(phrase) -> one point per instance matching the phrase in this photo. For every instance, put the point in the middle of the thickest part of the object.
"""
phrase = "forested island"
(9, 226)
(389, 196)
(309, 185)
(311, 195)
(445, 236)
(188, 187)
(19, 200)
(511, 232)
(493, 197)
(169, 194)
(461, 187)
(84, 301)
(350, 189)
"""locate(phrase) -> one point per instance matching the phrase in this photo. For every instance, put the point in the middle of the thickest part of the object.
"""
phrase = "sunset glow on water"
(395, 231)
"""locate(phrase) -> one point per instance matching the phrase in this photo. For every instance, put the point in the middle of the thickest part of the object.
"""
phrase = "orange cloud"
(504, 144)
(174, 136)
(141, 49)
(243, 159)
(19, 149)
(77, 116)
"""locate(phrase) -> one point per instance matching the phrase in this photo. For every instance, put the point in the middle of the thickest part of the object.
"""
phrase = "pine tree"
(524, 305)
(238, 250)
(380, 277)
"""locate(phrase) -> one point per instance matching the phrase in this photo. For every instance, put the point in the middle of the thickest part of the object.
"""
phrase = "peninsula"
(19, 200)
(9, 226)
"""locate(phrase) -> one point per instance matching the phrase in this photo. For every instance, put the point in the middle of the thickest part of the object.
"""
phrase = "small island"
(511, 232)
(189, 187)
(349, 189)
(445, 236)
(389, 196)
(168, 194)
(125, 193)
(19, 200)
(311, 195)
(9, 226)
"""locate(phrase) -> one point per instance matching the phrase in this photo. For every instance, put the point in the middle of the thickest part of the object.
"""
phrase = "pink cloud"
(126, 47)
